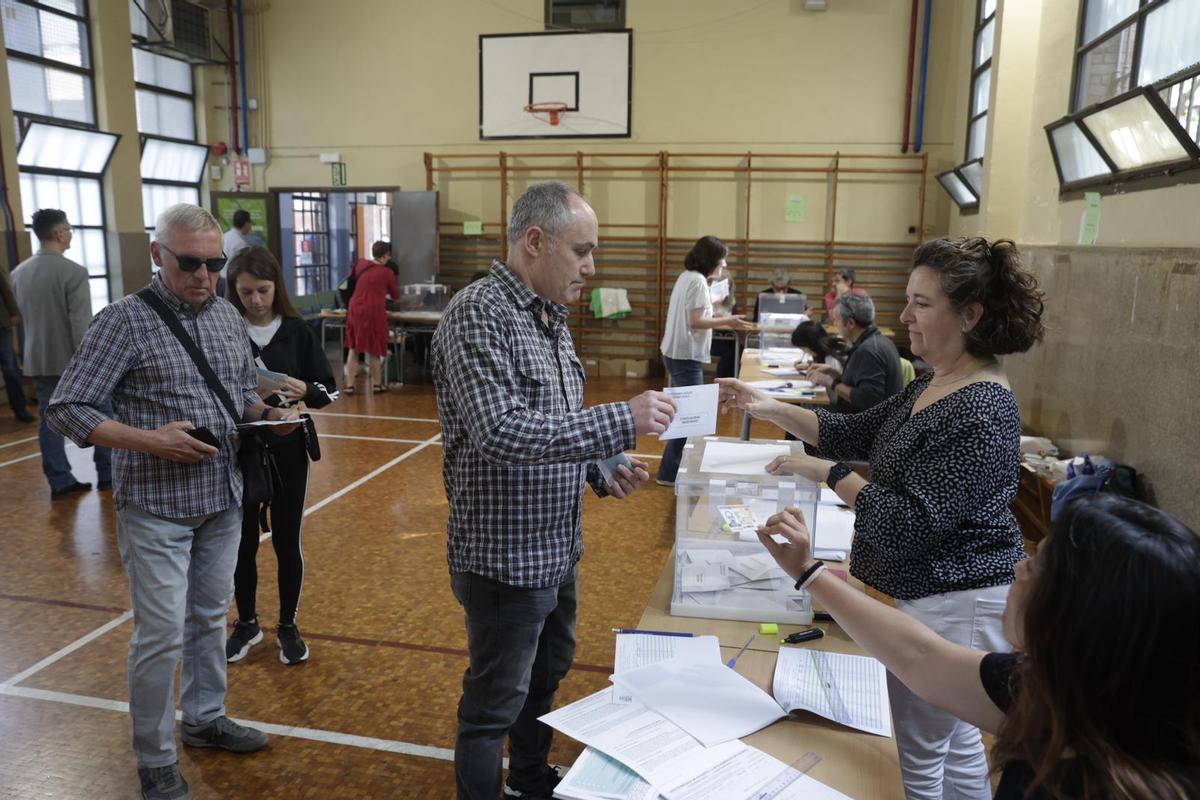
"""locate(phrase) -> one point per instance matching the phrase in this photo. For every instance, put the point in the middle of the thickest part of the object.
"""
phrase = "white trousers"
(942, 757)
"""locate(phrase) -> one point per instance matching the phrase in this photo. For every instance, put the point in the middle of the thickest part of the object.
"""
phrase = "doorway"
(324, 233)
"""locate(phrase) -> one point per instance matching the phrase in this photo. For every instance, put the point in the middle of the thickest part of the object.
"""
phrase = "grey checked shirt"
(130, 355)
(518, 443)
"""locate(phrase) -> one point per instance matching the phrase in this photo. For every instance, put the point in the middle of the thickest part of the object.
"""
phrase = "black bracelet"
(808, 573)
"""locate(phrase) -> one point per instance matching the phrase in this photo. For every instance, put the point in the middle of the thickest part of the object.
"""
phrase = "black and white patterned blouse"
(935, 517)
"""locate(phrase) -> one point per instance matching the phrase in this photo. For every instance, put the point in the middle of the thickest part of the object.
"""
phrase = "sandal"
(348, 389)
(379, 388)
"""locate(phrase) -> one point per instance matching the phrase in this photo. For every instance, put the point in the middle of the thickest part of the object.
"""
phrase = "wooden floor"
(372, 713)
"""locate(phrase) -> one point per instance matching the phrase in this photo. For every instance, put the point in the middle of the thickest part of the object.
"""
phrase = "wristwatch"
(836, 473)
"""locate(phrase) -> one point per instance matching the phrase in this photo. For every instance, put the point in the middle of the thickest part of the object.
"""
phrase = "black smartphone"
(204, 435)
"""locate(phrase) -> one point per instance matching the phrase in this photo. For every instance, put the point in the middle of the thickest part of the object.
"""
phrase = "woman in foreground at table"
(933, 527)
(1103, 701)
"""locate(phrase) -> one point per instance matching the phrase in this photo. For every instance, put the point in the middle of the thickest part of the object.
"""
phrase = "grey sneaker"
(292, 649)
(245, 635)
(163, 783)
(226, 734)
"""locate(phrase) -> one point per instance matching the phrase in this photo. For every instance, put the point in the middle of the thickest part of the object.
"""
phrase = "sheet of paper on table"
(834, 528)
(741, 458)
(851, 690)
(710, 701)
(595, 776)
(695, 412)
(636, 650)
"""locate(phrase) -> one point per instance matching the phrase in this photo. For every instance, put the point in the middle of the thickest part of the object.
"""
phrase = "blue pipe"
(241, 27)
(924, 68)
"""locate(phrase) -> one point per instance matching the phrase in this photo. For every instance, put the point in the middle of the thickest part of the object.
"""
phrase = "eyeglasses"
(192, 263)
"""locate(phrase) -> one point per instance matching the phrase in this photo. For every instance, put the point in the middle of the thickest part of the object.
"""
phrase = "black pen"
(803, 636)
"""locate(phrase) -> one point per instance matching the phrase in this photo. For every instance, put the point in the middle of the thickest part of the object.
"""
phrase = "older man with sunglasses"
(178, 496)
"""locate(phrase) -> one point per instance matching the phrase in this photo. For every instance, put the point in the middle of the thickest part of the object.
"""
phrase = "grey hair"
(544, 205)
(857, 307)
(186, 216)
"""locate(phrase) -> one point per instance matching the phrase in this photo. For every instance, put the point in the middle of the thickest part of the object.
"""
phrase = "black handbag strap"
(155, 302)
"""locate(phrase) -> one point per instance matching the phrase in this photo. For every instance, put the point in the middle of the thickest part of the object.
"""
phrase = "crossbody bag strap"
(155, 302)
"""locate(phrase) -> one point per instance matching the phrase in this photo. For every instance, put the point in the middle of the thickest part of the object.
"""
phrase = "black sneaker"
(245, 635)
(226, 734)
(163, 783)
(74, 488)
(292, 649)
(554, 775)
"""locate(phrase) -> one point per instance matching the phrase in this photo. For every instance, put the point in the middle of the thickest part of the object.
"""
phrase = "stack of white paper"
(635, 650)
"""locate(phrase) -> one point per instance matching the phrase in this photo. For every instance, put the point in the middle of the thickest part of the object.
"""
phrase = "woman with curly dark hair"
(933, 527)
(1103, 701)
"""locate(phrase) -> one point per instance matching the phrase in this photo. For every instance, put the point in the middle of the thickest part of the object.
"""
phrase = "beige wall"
(401, 78)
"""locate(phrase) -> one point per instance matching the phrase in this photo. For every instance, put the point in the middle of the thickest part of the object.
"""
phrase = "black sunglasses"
(192, 263)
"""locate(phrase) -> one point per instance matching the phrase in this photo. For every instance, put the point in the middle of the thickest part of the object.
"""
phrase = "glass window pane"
(79, 198)
(984, 42)
(957, 189)
(1103, 14)
(973, 172)
(71, 149)
(987, 8)
(88, 249)
(99, 287)
(50, 92)
(1183, 99)
(1134, 135)
(1104, 71)
(981, 91)
(1077, 158)
(163, 115)
(157, 199)
(70, 6)
(44, 34)
(976, 138)
(161, 71)
(1171, 40)
(91, 207)
(171, 161)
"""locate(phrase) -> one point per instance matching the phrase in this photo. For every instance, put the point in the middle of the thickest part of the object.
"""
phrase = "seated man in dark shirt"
(872, 372)
(1104, 701)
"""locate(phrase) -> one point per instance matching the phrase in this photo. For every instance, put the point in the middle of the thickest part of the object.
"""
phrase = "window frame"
(1147, 177)
(88, 72)
(977, 71)
(322, 280)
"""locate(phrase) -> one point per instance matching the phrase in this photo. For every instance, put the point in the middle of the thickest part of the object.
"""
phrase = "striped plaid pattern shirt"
(130, 355)
(518, 445)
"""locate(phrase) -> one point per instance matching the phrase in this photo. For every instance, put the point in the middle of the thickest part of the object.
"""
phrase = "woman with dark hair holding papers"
(285, 344)
(1103, 700)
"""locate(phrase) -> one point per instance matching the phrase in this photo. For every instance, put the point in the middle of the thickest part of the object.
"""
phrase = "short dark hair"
(847, 274)
(811, 336)
(46, 221)
(1109, 701)
(706, 253)
(973, 270)
(240, 218)
(380, 249)
(261, 264)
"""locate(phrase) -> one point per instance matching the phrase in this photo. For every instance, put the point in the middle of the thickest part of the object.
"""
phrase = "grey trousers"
(180, 581)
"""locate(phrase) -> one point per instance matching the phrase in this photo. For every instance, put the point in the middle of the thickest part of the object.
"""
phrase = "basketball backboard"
(590, 73)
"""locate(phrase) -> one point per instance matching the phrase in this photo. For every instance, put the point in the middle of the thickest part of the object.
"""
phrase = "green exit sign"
(339, 173)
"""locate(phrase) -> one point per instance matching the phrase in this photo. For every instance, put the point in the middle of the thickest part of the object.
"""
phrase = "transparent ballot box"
(776, 328)
(422, 297)
(722, 493)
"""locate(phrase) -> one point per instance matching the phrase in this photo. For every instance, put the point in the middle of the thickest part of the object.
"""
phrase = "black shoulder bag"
(259, 474)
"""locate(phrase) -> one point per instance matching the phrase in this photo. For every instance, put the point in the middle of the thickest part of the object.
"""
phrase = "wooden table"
(857, 764)
(751, 369)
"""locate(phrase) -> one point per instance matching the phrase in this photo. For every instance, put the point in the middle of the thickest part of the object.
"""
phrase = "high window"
(61, 155)
(964, 183)
(1135, 98)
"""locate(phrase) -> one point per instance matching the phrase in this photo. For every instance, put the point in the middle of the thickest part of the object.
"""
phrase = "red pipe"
(233, 107)
(912, 50)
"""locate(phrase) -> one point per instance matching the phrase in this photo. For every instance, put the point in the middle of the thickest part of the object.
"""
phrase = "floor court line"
(317, 506)
(66, 651)
(372, 438)
(19, 460)
(293, 731)
(370, 416)
(45, 601)
(18, 441)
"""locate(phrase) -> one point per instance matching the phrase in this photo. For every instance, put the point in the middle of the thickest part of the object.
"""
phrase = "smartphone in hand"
(204, 435)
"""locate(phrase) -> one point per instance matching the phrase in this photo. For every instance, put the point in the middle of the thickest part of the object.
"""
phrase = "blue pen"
(733, 660)
(652, 633)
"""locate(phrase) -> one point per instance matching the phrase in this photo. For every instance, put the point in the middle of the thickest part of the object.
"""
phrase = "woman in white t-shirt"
(687, 341)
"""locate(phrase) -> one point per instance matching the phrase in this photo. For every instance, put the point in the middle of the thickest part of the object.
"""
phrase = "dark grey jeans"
(521, 644)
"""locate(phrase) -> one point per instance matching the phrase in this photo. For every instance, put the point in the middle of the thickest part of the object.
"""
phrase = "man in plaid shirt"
(178, 499)
(518, 447)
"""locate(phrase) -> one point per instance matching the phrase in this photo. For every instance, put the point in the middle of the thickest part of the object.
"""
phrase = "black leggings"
(286, 517)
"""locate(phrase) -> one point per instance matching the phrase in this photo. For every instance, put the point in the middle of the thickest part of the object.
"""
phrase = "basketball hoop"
(553, 109)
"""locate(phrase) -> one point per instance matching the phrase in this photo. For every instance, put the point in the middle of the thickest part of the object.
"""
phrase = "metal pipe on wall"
(924, 71)
(241, 34)
(908, 75)
(233, 70)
